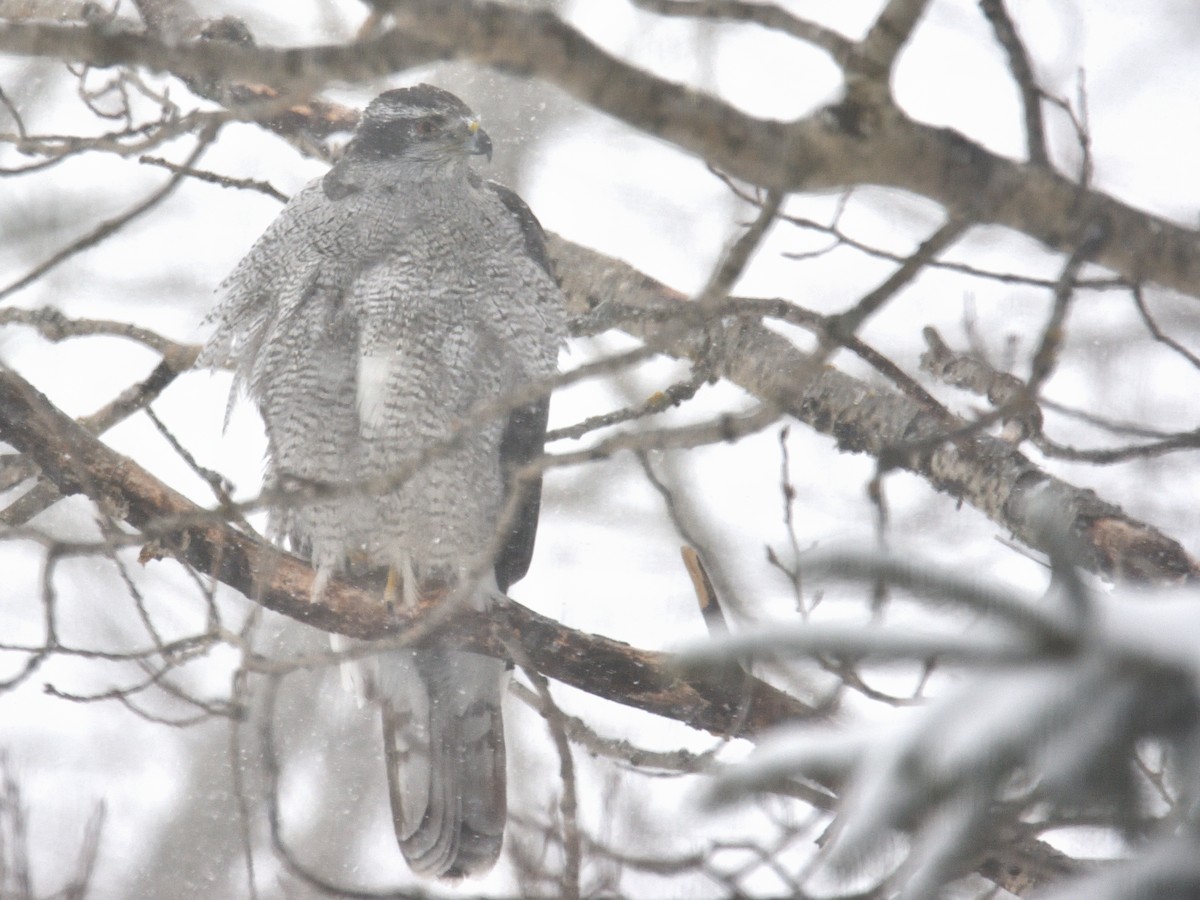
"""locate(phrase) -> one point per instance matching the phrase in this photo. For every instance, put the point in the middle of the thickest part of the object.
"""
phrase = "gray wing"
(525, 432)
(443, 729)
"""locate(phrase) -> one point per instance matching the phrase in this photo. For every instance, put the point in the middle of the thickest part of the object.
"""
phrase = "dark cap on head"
(424, 122)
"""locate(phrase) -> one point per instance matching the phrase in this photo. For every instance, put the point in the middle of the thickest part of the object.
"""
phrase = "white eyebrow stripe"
(404, 112)
(395, 113)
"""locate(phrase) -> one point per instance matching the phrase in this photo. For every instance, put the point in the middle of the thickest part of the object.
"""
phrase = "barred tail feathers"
(444, 745)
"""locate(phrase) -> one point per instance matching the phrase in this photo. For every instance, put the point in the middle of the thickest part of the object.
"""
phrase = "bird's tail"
(444, 743)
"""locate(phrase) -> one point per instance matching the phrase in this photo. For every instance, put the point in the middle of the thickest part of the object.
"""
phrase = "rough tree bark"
(77, 462)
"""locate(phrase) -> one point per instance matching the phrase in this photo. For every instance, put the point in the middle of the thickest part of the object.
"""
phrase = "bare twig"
(660, 401)
(845, 324)
(1019, 65)
(1006, 391)
(54, 326)
(765, 14)
(263, 187)
(111, 226)
(568, 804)
(275, 818)
(1046, 356)
(1139, 299)
(679, 762)
(734, 261)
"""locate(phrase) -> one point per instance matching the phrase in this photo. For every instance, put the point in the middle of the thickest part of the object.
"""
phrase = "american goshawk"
(388, 303)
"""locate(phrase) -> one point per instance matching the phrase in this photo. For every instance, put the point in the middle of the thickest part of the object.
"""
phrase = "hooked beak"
(479, 144)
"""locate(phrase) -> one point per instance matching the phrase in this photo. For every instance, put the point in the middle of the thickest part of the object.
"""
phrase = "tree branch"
(767, 15)
(877, 53)
(77, 462)
(852, 143)
(975, 467)
(1021, 68)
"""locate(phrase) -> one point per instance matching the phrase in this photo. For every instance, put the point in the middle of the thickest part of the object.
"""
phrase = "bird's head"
(420, 124)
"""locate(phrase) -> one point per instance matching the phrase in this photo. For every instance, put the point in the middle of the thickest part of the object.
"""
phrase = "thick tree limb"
(877, 53)
(853, 143)
(76, 462)
(176, 359)
(982, 470)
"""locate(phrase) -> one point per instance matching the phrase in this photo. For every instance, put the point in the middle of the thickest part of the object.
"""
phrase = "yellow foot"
(391, 590)
(401, 587)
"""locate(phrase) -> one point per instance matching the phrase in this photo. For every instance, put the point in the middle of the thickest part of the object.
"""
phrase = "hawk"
(388, 303)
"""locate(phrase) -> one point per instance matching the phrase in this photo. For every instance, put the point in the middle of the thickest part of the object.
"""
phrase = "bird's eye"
(424, 127)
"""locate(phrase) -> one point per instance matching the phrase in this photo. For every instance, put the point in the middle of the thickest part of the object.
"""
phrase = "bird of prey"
(390, 302)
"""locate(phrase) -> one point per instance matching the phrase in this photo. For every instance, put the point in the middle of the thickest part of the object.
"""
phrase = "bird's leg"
(410, 583)
(407, 591)
(319, 583)
(389, 589)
